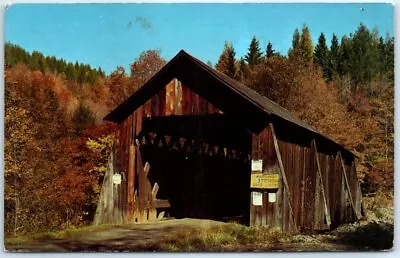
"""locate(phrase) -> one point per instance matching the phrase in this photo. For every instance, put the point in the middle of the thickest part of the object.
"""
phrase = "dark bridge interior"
(201, 163)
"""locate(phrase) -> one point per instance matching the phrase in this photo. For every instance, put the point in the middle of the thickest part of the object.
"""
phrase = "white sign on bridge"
(116, 179)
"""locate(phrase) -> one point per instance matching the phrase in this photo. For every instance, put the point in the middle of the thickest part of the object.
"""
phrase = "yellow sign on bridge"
(264, 181)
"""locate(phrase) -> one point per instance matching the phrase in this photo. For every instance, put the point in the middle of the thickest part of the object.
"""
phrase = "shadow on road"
(371, 237)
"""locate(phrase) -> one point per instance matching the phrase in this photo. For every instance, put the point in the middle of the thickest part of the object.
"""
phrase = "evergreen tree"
(270, 51)
(321, 53)
(226, 61)
(14, 54)
(254, 55)
(296, 39)
(34, 61)
(82, 118)
(70, 71)
(365, 57)
(389, 56)
(101, 72)
(306, 47)
(333, 57)
(345, 54)
(386, 56)
(9, 60)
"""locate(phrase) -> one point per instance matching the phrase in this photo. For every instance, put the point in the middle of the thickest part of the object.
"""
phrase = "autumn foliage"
(57, 145)
(346, 92)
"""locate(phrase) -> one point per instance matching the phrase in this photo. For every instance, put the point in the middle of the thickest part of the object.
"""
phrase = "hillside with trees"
(345, 90)
(56, 143)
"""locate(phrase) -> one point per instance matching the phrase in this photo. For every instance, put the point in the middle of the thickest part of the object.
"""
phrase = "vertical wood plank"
(348, 187)
(169, 98)
(162, 95)
(186, 100)
(283, 174)
(139, 167)
(178, 98)
(203, 106)
(254, 210)
(147, 108)
(322, 186)
(155, 105)
(132, 165)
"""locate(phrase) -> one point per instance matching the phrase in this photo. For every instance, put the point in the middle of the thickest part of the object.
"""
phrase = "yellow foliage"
(101, 144)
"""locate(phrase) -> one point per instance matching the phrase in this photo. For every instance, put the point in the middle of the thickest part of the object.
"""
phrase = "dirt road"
(117, 238)
(125, 238)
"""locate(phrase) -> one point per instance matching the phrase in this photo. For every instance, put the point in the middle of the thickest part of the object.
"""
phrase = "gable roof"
(227, 94)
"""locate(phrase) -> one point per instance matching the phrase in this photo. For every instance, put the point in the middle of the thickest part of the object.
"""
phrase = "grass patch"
(52, 235)
(216, 238)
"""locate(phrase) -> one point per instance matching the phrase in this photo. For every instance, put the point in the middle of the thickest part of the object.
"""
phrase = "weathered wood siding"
(318, 194)
(177, 99)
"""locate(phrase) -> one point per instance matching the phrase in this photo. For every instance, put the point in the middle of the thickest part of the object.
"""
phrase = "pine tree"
(83, 118)
(389, 56)
(333, 57)
(296, 39)
(345, 54)
(34, 61)
(321, 53)
(15, 54)
(365, 56)
(306, 46)
(70, 71)
(386, 56)
(226, 61)
(295, 50)
(254, 55)
(270, 51)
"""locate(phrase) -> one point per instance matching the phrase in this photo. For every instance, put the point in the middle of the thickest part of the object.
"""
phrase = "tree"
(321, 54)
(70, 71)
(296, 39)
(148, 63)
(294, 50)
(333, 57)
(120, 86)
(306, 47)
(386, 56)
(364, 58)
(275, 79)
(270, 52)
(242, 69)
(50, 64)
(254, 54)
(226, 61)
(34, 62)
(82, 118)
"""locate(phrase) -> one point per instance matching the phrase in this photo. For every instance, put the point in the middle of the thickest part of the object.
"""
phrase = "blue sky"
(108, 35)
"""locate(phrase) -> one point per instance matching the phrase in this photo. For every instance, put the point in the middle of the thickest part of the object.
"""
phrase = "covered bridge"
(193, 142)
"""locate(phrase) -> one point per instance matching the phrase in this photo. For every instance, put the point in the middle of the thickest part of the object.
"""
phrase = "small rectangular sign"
(271, 197)
(116, 178)
(257, 198)
(256, 165)
(264, 181)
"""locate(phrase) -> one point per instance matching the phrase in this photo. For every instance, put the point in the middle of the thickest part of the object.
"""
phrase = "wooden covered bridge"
(193, 142)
